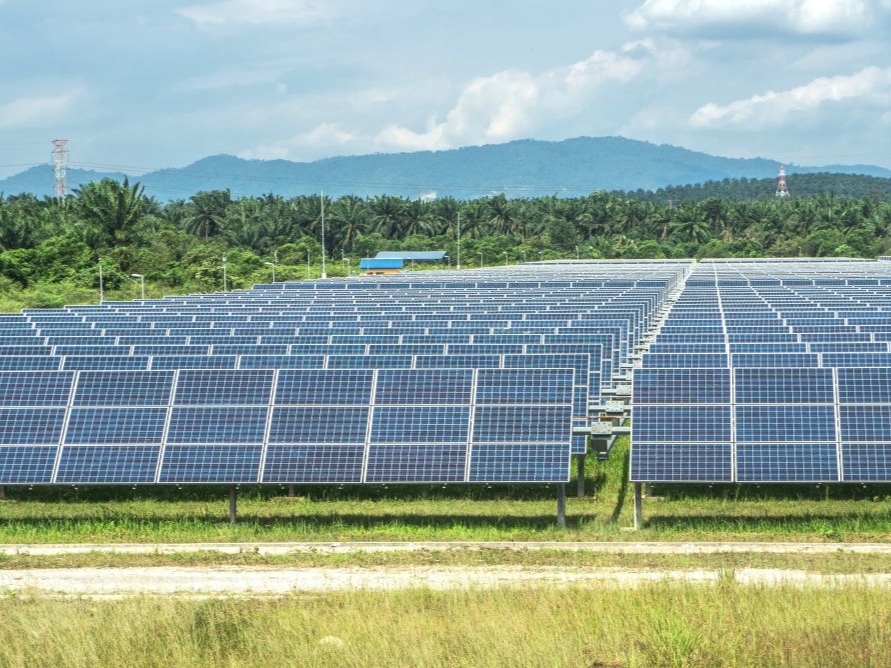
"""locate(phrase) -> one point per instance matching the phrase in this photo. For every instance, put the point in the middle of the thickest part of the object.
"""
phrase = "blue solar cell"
(543, 462)
(407, 349)
(311, 387)
(432, 463)
(420, 424)
(104, 362)
(313, 464)
(786, 462)
(866, 462)
(326, 349)
(790, 386)
(281, 362)
(865, 423)
(123, 388)
(254, 349)
(35, 388)
(522, 424)
(785, 423)
(428, 386)
(681, 386)
(217, 424)
(775, 360)
(681, 462)
(369, 361)
(319, 424)
(681, 424)
(31, 426)
(684, 360)
(843, 347)
(197, 387)
(30, 363)
(524, 386)
(193, 361)
(115, 425)
(210, 464)
(457, 361)
(864, 385)
(103, 464)
(856, 360)
(26, 464)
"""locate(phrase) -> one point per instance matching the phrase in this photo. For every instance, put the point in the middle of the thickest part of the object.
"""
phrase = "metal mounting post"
(233, 504)
(291, 490)
(638, 505)
(2, 491)
(581, 476)
(561, 506)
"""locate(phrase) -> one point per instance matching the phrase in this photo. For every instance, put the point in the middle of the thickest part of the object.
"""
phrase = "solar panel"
(35, 388)
(222, 387)
(87, 464)
(115, 425)
(116, 388)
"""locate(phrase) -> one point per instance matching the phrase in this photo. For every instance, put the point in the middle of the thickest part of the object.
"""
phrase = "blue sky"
(143, 85)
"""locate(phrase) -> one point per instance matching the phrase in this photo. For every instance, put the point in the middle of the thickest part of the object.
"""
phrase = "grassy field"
(658, 625)
(193, 514)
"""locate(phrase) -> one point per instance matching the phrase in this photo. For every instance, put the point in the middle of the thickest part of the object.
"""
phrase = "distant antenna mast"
(60, 167)
(782, 190)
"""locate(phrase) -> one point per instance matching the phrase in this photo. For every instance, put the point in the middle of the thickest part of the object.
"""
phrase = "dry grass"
(661, 625)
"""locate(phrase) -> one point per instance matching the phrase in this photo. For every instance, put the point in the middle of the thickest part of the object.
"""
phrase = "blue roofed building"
(376, 266)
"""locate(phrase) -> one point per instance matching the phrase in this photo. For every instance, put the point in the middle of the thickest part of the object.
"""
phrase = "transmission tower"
(60, 167)
(782, 190)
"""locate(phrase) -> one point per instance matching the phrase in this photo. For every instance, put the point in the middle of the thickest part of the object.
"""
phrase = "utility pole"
(224, 273)
(459, 241)
(322, 196)
(101, 283)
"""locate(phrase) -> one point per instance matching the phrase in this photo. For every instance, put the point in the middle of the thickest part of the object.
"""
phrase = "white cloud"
(870, 86)
(507, 105)
(257, 12)
(511, 104)
(25, 111)
(724, 18)
(326, 136)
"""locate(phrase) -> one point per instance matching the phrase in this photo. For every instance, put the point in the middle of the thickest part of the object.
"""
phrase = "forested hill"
(518, 169)
(856, 186)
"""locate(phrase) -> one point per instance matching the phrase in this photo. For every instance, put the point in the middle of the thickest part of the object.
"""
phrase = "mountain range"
(523, 168)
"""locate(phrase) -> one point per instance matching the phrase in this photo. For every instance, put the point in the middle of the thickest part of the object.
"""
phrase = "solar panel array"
(769, 372)
(440, 377)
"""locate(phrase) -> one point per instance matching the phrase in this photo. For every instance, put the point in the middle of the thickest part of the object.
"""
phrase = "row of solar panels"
(762, 425)
(197, 426)
(760, 378)
(496, 409)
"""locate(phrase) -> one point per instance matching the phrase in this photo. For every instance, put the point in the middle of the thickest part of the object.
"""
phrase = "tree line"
(50, 248)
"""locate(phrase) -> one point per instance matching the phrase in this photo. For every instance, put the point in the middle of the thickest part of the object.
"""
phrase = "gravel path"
(260, 582)
(221, 581)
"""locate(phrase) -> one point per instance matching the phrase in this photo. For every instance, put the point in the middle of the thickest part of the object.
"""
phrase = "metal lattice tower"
(60, 167)
(782, 190)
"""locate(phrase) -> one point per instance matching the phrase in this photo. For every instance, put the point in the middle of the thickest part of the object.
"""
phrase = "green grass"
(660, 625)
(845, 513)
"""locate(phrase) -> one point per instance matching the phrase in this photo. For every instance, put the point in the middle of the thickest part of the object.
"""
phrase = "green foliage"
(54, 245)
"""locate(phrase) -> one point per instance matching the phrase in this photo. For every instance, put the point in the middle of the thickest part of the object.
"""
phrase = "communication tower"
(782, 190)
(60, 167)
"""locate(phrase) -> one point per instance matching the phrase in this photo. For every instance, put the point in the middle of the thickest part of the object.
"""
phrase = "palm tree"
(112, 208)
(207, 211)
(349, 218)
(388, 215)
(690, 225)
